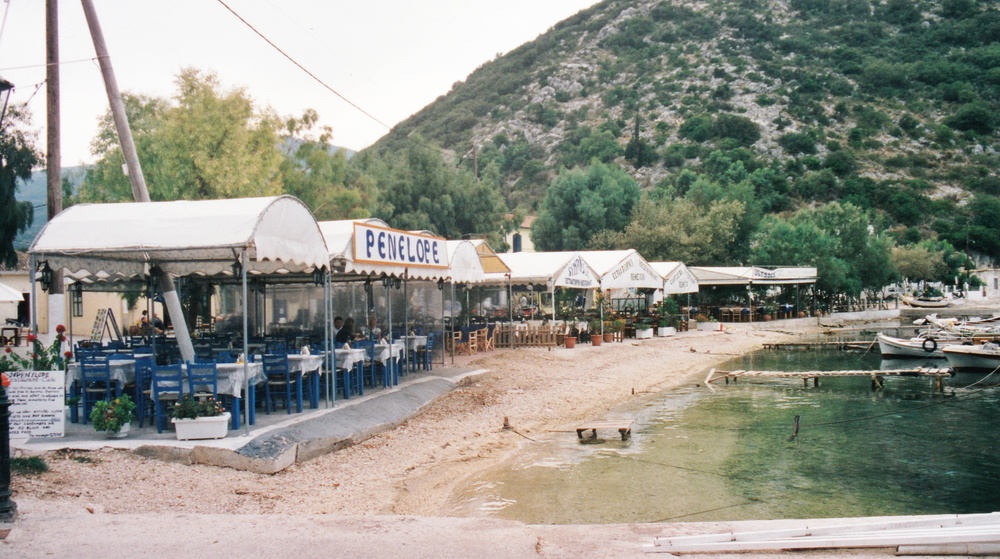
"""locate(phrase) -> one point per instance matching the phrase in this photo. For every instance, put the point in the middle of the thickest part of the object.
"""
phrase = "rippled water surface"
(732, 453)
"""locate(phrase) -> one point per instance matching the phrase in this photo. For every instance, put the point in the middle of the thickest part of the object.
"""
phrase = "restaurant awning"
(464, 264)
(182, 237)
(369, 247)
(623, 269)
(554, 269)
(746, 275)
(677, 278)
(10, 295)
(491, 262)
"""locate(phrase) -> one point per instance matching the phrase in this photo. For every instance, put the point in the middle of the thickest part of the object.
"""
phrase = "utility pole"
(138, 182)
(54, 202)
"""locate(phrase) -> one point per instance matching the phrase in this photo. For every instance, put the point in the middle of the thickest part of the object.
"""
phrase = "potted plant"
(643, 329)
(665, 327)
(200, 419)
(594, 325)
(114, 417)
(570, 340)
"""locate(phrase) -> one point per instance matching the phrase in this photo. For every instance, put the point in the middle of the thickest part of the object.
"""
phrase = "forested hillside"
(753, 117)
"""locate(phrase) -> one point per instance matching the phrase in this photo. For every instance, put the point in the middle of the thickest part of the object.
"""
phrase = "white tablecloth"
(413, 343)
(304, 363)
(122, 370)
(231, 377)
(385, 352)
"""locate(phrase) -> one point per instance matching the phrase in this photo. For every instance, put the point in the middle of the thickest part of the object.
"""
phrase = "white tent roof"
(745, 274)
(340, 239)
(464, 263)
(183, 237)
(10, 295)
(619, 269)
(677, 278)
(555, 269)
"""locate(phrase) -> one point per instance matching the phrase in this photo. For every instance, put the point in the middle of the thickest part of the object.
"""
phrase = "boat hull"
(972, 358)
(914, 348)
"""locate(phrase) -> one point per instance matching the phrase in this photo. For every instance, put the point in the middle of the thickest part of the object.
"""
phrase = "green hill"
(34, 191)
(889, 104)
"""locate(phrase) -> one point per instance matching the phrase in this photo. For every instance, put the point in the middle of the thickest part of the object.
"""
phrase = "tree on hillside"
(418, 190)
(206, 144)
(581, 203)
(319, 176)
(916, 263)
(18, 157)
(679, 230)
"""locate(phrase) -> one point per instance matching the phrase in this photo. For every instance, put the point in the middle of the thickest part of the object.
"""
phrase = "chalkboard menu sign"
(37, 404)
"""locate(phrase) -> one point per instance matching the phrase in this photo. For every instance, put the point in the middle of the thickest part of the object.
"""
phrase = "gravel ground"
(392, 478)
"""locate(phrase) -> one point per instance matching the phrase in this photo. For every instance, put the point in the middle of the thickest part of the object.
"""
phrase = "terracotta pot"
(609, 337)
(570, 342)
(596, 339)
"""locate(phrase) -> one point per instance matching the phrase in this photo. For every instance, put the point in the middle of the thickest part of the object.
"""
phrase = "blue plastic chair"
(279, 378)
(144, 364)
(203, 380)
(425, 355)
(96, 383)
(167, 386)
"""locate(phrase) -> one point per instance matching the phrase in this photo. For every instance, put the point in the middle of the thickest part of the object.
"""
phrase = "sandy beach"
(410, 470)
(390, 495)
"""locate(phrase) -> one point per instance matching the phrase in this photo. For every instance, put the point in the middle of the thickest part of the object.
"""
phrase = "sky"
(391, 58)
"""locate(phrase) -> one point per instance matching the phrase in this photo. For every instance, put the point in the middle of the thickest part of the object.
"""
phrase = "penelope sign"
(380, 245)
(37, 404)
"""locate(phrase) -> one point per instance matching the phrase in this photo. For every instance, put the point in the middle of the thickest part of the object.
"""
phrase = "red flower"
(60, 329)
(62, 338)
(68, 354)
(31, 338)
(34, 356)
(8, 349)
(4, 381)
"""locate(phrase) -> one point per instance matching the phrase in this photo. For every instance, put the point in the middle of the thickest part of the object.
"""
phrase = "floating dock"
(876, 376)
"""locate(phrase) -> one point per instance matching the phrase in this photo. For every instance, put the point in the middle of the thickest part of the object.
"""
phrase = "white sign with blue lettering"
(398, 248)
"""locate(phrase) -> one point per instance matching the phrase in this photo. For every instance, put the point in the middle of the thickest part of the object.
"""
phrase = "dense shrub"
(798, 143)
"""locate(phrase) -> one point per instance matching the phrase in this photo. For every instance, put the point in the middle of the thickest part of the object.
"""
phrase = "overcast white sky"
(390, 57)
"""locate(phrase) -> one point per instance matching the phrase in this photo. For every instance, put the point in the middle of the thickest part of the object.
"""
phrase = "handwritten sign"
(389, 246)
(37, 404)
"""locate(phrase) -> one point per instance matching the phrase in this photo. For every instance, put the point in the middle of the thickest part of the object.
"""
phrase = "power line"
(303, 68)
(322, 83)
(61, 63)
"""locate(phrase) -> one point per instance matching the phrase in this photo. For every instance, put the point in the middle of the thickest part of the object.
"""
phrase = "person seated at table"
(346, 333)
(338, 323)
(372, 331)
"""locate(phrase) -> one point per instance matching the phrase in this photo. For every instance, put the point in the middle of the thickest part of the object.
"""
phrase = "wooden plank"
(624, 428)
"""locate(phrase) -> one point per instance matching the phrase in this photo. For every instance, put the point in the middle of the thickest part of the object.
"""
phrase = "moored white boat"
(926, 302)
(983, 357)
(916, 347)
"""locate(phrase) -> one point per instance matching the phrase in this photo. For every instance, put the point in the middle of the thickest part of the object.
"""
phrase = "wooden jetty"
(876, 376)
(842, 345)
(624, 428)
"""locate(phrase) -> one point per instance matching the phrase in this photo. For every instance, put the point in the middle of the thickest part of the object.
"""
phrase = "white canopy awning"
(677, 278)
(745, 275)
(351, 255)
(10, 295)
(554, 269)
(464, 263)
(622, 269)
(183, 237)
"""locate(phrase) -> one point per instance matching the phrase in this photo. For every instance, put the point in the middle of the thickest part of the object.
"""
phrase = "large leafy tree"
(18, 156)
(418, 190)
(320, 175)
(205, 144)
(581, 203)
(838, 239)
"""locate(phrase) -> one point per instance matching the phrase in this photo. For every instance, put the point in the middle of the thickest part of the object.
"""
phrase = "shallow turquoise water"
(732, 454)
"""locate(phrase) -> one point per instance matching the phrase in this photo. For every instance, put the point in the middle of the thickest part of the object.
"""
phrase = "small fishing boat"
(978, 358)
(926, 302)
(917, 347)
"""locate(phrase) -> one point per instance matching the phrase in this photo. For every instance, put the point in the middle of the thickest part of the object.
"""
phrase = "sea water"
(733, 453)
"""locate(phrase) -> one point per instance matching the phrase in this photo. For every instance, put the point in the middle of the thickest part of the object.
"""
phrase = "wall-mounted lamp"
(45, 275)
(237, 269)
(441, 284)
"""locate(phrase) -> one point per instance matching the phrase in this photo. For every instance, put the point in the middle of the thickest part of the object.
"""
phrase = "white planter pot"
(121, 434)
(202, 427)
(643, 333)
(710, 326)
(664, 331)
